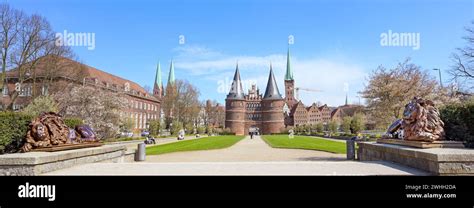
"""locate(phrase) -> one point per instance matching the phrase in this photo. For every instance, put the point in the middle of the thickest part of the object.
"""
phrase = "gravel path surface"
(247, 157)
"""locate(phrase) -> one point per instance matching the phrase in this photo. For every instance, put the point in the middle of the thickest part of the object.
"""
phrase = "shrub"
(189, 128)
(209, 130)
(13, 128)
(286, 130)
(459, 122)
(201, 129)
(332, 126)
(225, 131)
(41, 104)
(176, 127)
(357, 123)
(154, 127)
(346, 124)
(319, 127)
(73, 122)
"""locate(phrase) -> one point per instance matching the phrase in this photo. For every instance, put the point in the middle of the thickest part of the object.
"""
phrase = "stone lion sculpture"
(421, 122)
(47, 130)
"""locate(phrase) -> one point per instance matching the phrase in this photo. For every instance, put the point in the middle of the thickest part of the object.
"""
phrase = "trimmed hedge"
(13, 128)
(73, 122)
(459, 122)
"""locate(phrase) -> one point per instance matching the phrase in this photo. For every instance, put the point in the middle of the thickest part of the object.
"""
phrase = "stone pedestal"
(36, 163)
(438, 161)
(423, 145)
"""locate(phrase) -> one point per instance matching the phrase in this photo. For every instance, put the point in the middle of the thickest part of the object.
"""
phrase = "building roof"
(236, 90)
(297, 105)
(79, 72)
(272, 92)
(323, 107)
(348, 110)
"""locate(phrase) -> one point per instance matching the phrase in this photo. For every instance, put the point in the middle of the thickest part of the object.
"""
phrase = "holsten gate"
(252, 110)
(270, 112)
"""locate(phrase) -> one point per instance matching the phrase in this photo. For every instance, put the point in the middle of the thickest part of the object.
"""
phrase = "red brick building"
(142, 106)
(253, 111)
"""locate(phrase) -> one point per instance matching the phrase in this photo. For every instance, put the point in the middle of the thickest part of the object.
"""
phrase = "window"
(136, 120)
(44, 90)
(5, 90)
(17, 107)
(25, 90)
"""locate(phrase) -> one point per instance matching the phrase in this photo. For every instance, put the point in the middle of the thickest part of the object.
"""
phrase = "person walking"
(251, 134)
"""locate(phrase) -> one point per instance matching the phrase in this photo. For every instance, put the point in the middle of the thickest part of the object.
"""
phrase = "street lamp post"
(440, 82)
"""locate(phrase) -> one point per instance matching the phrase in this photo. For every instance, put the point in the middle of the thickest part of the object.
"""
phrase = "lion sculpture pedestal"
(417, 140)
(421, 127)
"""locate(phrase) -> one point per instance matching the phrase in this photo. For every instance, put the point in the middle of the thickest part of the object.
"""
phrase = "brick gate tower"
(235, 106)
(254, 111)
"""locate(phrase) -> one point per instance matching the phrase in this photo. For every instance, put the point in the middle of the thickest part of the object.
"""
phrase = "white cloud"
(328, 75)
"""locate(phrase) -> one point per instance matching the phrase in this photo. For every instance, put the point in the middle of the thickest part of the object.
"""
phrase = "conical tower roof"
(171, 78)
(236, 90)
(158, 81)
(289, 73)
(272, 91)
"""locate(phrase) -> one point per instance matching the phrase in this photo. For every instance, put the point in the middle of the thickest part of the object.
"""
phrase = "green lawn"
(305, 142)
(207, 143)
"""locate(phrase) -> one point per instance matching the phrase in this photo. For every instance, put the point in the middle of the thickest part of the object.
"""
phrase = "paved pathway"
(247, 150)
(241, 168)
(247, 157)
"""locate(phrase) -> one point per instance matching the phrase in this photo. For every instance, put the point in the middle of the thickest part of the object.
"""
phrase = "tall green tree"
(319, 127)
(332, 126)
(154, 127)
(346, 124)
(357, 123)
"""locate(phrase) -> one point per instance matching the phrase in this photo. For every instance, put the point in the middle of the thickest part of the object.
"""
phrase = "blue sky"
(335, 42)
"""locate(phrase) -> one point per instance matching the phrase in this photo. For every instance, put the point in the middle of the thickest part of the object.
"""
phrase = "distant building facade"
(142, 106)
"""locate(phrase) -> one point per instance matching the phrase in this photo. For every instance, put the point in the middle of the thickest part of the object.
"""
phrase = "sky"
(336, 44)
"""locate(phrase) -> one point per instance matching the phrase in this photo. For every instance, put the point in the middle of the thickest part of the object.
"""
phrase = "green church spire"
(289, 73)
(158, 81)
(171, 78)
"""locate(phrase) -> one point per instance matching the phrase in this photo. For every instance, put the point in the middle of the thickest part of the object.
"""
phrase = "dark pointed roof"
(236, 90)
(272, 91)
